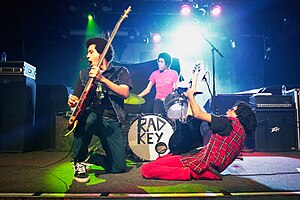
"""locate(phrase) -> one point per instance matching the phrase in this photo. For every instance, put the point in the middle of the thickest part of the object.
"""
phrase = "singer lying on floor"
(226, 142)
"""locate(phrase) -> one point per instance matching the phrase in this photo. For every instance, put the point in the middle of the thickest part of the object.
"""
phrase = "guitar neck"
(80, 107)
(193, 87)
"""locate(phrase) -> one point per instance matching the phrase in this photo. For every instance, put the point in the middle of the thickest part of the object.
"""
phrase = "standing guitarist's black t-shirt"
(102, 100)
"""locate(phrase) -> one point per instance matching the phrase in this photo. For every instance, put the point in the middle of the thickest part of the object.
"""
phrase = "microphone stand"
(213, 50)
(205, 79)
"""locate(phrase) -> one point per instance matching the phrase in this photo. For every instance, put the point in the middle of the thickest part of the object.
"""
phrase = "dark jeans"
(110, 134)
(159, 107)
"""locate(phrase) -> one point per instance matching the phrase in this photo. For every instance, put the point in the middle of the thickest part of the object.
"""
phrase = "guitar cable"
(71, 131)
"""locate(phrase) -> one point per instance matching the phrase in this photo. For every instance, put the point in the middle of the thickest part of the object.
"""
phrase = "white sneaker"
(80, 173)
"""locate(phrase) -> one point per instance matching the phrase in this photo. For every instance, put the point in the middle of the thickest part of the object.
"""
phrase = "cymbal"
(134, 99)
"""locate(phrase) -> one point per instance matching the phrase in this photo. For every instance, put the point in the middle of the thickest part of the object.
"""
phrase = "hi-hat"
(134, 99)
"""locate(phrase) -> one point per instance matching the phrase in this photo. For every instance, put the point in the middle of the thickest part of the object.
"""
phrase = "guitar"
(187, 135)
(83, 100)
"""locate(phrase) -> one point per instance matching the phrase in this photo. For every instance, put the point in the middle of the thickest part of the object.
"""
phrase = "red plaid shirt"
(220, 151)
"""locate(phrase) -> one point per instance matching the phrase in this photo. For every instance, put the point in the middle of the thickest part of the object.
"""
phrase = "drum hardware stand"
(161, 148)
(213, 49)
(139, 124)
(183, 118)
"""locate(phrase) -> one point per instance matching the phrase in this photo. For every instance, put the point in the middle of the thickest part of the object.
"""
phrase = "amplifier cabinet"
(17, 113)
(62, 142)
(295, 93)
(276, 130)
(271, 101)
(21, 68)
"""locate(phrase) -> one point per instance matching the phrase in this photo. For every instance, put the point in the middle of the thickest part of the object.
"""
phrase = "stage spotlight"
(156, 37)
(216, 10)
(90, 16)
(185, 10)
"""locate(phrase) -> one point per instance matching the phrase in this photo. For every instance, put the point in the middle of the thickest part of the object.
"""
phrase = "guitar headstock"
(196, 72)
(125, 15)
(197, 68)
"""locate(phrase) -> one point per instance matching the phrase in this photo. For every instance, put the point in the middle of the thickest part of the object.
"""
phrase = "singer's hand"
(73, 101)
(95, 73)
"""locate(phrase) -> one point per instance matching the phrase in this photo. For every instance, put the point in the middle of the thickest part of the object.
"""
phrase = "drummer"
(165, 80)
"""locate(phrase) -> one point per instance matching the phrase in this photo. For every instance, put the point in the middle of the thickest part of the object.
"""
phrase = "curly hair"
(100, 45)
(167, 58)
(246, 116)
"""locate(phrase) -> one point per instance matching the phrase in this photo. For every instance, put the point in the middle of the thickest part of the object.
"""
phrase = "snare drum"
(145, 132)
(176, 106)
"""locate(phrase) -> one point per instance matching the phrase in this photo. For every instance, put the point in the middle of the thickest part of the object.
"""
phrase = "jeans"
(159, 107)
(110, 134)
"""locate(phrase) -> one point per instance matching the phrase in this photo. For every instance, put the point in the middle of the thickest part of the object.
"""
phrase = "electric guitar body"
(187, 135)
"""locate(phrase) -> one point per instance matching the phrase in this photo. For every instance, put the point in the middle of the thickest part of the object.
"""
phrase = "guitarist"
(104, 115)
(227, 141)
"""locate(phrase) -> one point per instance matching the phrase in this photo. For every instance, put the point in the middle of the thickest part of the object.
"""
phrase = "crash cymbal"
(134, 99)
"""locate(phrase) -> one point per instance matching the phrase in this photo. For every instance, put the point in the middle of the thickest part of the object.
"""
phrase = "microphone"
(82, 58)
(196, 93)
(204, 77)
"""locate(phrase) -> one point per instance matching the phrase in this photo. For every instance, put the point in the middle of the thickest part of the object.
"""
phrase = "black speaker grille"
(276, 130)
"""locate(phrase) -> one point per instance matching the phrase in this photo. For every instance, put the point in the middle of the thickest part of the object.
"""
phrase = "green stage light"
(90, 17)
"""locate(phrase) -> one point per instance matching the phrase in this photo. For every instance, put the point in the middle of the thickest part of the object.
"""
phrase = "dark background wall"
(40, 32)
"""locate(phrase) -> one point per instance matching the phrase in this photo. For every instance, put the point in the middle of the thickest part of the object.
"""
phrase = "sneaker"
(80, 174)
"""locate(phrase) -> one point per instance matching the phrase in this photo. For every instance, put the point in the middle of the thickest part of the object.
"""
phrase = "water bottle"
(3, 57)
(283, 90)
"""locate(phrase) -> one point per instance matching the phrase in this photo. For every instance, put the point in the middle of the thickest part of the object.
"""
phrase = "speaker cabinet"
(295, 93)
(50, 100)
(17, 113)
(276, 130)
(62, 142)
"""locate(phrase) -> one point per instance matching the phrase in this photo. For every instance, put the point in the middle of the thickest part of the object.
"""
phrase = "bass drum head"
(142, 140)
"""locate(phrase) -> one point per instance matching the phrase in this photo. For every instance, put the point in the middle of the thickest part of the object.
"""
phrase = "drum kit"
(149, 134)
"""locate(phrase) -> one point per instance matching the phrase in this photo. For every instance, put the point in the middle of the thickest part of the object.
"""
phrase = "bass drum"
(176, 106)
(145, 133)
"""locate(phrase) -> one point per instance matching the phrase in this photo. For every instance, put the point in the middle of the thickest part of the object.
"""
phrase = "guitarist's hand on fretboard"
(95, 72)
(73, 101)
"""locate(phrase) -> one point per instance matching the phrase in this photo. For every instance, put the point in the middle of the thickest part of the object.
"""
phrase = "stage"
(46, 174)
